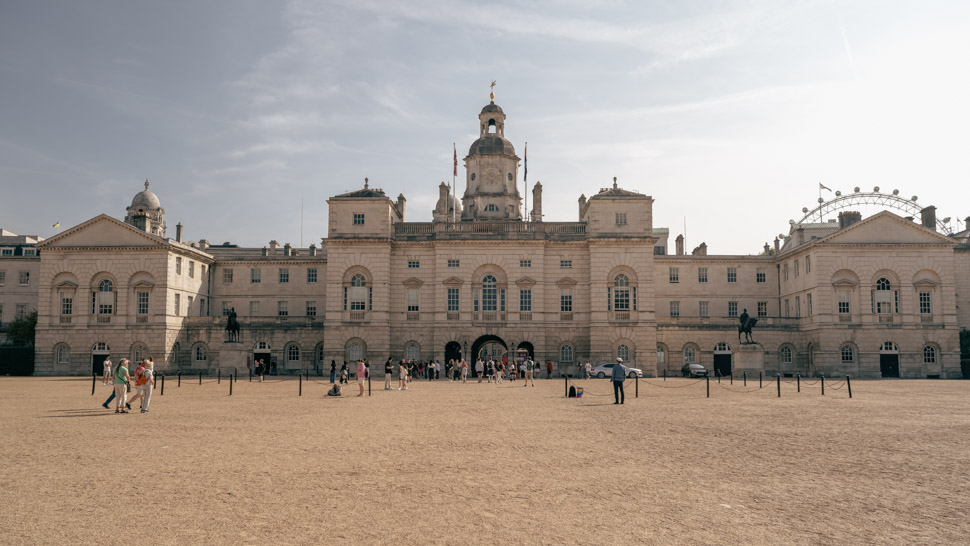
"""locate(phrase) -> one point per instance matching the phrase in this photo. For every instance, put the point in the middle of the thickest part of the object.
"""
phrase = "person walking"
(333, 371)
(530, 369)
(618, 376)
(549, 369)
(479, 369)
(121, 380)
(588, 368)
(361, 375)
(139, 384)
(388, 371)
(343, 372)
(464, 371)
(149, 375)
(499, 372)
(402, 377)
(106, 375)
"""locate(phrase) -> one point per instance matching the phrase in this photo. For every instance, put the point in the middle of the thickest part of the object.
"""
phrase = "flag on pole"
(455, 171)
(525, 174)
(57, 225)
(821, 187)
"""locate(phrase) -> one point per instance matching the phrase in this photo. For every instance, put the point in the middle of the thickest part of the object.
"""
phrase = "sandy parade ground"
(452, 463)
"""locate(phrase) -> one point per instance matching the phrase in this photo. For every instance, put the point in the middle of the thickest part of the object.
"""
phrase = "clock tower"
(491, 172)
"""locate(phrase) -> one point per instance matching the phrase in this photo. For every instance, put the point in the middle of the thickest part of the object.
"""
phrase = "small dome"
(491, 145)
(492, 108)
(146, 199)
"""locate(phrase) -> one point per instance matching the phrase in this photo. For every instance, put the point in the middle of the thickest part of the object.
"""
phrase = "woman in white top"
(149, 376)
(107, 371)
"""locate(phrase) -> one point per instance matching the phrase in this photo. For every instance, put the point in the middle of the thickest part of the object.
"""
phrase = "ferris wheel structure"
(871, 200)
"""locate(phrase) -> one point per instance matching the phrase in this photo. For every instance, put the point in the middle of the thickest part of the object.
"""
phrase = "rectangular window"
(674, 275)
(525, 300)
(3, 278)
(358, 218)
(565, 264)
(254, 308)
(21, 311)
(24, 278)
(808, 301)
(808, 264)
(413, 264)
(925, 304)
(675, 309)
(227, 276)
(703, 309)
(762, 309)
(142, 303)
(732, 309)
(701, 274)
(525, 263)
(7, 252)
(67, 305)
(30, 252)
(178, 265)
(255, 275)
(188, 306)
(732, 274)
(453, 299)
(178, 304)
(414, 300)
(786, 272)
(566, 301)
(191, 269)
(311, 308)
(454, 263)
(797, 268)
(226, 306)
(621, 218)
(203, 270)
(202, 312)
(284, 275)
(282, 308)
(311, 275)
(787, 308)
(798, 306)
(760, 275)
(843, 299)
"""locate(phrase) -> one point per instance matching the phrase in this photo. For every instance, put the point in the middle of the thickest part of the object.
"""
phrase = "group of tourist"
(121, 378)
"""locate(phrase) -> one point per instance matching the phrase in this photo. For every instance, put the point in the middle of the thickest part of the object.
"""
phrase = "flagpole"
(525, 182)
(301, 222)
(454, 182)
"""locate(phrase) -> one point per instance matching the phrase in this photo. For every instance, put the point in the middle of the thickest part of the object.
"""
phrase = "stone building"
(868, 297)
(19, 266)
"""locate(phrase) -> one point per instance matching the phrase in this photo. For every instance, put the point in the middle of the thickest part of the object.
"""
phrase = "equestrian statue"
(232, 326)
(745, 327)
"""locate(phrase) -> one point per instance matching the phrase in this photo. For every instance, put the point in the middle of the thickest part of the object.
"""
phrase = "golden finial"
(491, 92)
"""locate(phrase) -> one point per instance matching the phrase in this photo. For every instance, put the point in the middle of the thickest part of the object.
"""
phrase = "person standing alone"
(388, 371)
(619, 376)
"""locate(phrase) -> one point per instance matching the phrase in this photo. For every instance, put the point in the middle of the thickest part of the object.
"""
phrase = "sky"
(727, 113)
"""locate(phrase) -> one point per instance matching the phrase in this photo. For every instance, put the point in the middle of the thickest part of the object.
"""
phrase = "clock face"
(510, 177)
(492, 176)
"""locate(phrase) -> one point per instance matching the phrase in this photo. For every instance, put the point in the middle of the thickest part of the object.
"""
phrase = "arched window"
(661, 354)
(489, 293)
(885, 300)
(104, 299)
(62, 355)
(621, 293)
(623, 352)
(355, 351)
(929, 354)
(889, 347)
(175, 353)
(785, 355)
(412, 351)
(359, 293)
(566, 353)
(690, 355)
(722, 348)
(848, 354)
(293, 353)
(200, 353)
(138, 353)
(262, 346)
(100, 347)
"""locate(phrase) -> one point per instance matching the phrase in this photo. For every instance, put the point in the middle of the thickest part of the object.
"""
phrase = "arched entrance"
(261, 351)
(452, 351)
(889, 359)
(485, 347)
(528, 347)
(722, 359)
(99, 352)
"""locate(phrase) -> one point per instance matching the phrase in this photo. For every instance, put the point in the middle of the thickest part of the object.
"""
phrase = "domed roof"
(146, 199)
(492, 108)
(491, 145)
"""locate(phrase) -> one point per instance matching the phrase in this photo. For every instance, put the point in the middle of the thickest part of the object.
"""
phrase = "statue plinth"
(748, 357)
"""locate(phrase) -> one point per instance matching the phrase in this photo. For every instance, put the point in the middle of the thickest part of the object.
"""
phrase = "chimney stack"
(701, 250)
(582, 205)
(928, 216)
(767, 249)
(265, 252)
(178, 232)
(537, 202)
(203, 244)
(401, 203)
(273, 245)
(848, 218)
(777, 246)
(679, 241)
(313, 250)
(287, 249)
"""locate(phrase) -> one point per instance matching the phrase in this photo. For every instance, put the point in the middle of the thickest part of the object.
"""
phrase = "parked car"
(605, 370)
(694, 370)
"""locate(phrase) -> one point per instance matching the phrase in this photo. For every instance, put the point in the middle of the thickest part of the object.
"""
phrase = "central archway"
(486, 346)
(452, 351)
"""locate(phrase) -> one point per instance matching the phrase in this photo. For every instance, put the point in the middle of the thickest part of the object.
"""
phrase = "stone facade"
(880, 296)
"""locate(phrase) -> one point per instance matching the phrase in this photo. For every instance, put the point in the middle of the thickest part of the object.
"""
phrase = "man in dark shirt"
(388, 369)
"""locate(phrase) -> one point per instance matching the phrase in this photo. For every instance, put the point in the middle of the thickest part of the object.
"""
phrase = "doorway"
(889, 359)
(452, 351)
(99, 353)
(485, 347)
(722, 359)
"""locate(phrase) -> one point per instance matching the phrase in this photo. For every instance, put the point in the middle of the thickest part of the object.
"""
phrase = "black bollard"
(732, 377)
(180, 379)
(230, 385)
(219, 376)
(759, 379)
(250, 375)
(301, 384)
(94, 379)
(823, 384)
(708, 385)
(778, 377)
(163, 386)
(718, 379)
(745, 374)
(637, 393)
(848, 383)
(665, 374)
(798, 381)
(566, 381)
(368, 385)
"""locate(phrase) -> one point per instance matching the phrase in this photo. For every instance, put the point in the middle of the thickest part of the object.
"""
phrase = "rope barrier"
(691, 384)
(742, 390)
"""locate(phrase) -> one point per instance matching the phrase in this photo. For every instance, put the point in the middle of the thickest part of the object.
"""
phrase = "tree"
(21, 332)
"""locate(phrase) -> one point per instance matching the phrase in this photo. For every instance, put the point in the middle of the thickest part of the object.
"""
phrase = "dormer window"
(491, 208)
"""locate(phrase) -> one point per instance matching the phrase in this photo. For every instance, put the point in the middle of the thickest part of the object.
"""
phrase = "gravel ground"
(447, 463)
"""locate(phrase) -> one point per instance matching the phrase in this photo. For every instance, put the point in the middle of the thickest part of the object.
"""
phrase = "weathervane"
(491, 92)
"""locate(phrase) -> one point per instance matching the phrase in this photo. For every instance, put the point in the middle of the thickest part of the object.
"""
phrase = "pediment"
(926, 283)
(143, 284)
(413, 282)
(103, 231)
(566, 282)
(452, 281)
(525, 281)
(844, 283)
(66, 285)
(885, 227)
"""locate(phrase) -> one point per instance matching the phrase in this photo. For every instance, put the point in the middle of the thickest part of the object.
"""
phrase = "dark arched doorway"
(484, 347)
(528, 347)
(452, 351)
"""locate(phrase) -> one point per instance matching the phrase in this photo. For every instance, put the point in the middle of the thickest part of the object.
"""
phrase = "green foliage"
(20, 333)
